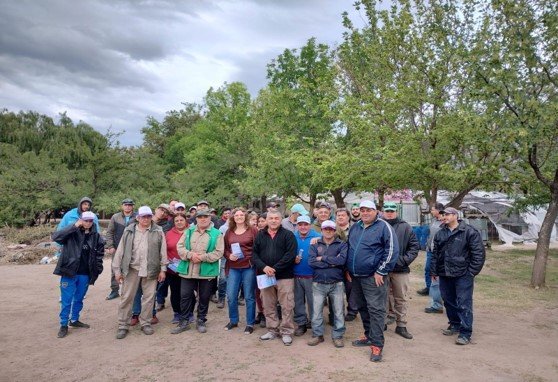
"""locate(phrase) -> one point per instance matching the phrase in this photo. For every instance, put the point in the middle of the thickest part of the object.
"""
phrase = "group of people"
(304, 261)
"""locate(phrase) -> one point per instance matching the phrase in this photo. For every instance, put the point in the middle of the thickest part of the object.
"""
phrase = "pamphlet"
(265, 281)
(236, 250)
(173, 265)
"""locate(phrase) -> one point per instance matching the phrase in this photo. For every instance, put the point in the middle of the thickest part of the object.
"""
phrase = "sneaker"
(362, 341)
(248, 329)
(300, 330)
(402, 331)
(200, 325)
(263, 323)
(63, 331)
(134, 321)
(191, 319)
(175, 318)
(182, 327)
(350, 317)
(338, 342)
(450, 331)
(433, 310)
(423, 291)
(287, 340)
(79, 324)
(259, 318)
(221, 304)
(154, 320)
(315, 340)
(121, 333)
(112, 295)
(147, 330)
(230, 325)
(241, 302)
(159, 307)
(462, 340)
(376, 355)
(268, 336)
(390, 320)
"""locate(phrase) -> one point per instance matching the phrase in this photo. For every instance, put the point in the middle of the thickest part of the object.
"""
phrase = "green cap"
(390, 206)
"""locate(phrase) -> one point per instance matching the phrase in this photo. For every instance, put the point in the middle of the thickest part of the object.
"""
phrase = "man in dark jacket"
(399, 277)
(457, 257)
(80, 263)
(327, 258)
(117, 223)
(274, 254)
(372, 254)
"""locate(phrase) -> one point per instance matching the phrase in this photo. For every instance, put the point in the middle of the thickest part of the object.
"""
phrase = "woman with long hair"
(173, 236)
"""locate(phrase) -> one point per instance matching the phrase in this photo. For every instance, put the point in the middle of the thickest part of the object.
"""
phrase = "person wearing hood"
(79, 265)
(72, 216)
(398, 300)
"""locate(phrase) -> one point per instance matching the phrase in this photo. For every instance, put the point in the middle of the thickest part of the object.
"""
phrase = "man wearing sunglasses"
(457, 257)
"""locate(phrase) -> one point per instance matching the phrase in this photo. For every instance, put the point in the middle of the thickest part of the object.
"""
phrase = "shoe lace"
(376, 350)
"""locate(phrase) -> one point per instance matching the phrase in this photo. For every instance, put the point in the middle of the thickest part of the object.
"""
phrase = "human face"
(203, 222)
(127, 208)
(273, 221)
(368, 215)
(87, 224)
(85, 206)
(342, 218)
(390, 214)
(226, 215)
(160, 213)
(323, 214)
(435, 212)
(355, 211)
(449, 219)
(172, 204)
(180, 222)
(262, 223)
(180, 209)
(328, 233)
(203, 206)
(145, 221)
(254, 221)
(192, 212)
(239, 217)
(303, 228)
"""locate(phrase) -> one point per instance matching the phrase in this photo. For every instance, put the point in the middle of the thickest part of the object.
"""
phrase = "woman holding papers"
(172, 237)
(239, 241)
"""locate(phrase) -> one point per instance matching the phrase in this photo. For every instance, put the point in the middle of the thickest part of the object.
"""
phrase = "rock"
(46, 244)
(17, 246)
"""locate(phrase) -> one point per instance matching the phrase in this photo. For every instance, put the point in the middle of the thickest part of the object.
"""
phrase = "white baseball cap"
(145, 211)
(88, 215)
(178, 205)
(303, 219)
(328, 224)
(367, 204)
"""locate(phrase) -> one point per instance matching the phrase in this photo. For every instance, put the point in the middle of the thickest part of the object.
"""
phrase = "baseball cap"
(450, 210)
(164, 206)
(203, 213)
(328, 224)
(203, 202)
(367, 204)
(324, 205)
(88, 215)
(128, 201)
(179, 205)
(299, 208)
(303, 219)
(271, 205)
(145, 211)
(390, 206)
(193, 208)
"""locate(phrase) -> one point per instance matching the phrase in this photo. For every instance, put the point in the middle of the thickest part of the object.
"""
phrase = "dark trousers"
(188, 300)
(162, 291)
(352, 307)
(371, 301)
(457, 293)
(174, 282)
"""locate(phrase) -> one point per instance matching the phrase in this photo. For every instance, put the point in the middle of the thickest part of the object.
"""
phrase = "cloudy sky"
(112, 63)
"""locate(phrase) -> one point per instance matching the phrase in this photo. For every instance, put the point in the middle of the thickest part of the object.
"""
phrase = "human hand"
(232, 257)
(269, 271)
(162, 276)
(379, 279)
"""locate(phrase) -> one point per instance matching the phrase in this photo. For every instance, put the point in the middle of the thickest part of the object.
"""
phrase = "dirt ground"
(521, 346)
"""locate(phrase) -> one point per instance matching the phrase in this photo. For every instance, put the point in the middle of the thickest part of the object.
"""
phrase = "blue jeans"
(72, 292)
(457, 293)
(372, 301)
(222, 290)
(303, 294)
(246, 277)
(427, 277)
(435, 296)
(336, 294)
(136, 308)
(162, 292)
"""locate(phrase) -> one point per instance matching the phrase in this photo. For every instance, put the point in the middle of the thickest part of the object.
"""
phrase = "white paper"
(236, 250)
(265, 281)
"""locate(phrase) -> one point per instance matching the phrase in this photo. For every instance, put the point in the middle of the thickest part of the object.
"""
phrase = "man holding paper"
(274, 254)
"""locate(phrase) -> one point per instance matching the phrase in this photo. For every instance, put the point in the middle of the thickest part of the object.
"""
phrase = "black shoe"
(423, 291)
(258, 318)
(433, 310)
(121, 334)
(450, 331)
(230, 325)
(350, 317)
(200, 325)
(112, 295)
(402, 331)
(63, 331)
(182, 327)
(241, 302)
(263, 322)
(79, 324)
(214, 299)
(248, 329)
(300, 330)
(362, 341)
(376, 355)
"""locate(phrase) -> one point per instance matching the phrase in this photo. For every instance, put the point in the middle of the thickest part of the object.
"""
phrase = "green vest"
(206, 269)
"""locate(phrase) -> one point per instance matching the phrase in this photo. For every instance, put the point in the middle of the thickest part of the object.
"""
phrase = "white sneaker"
(268, 336)
(287, 340)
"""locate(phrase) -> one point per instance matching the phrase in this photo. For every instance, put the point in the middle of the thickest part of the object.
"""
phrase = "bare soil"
(518, 346)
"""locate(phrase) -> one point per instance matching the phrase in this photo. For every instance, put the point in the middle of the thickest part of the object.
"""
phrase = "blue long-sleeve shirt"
(303, 268)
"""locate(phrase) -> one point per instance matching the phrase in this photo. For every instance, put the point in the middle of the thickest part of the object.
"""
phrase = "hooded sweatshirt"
(72, 216)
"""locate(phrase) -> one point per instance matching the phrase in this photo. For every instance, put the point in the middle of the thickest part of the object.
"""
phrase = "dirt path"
(506, 347)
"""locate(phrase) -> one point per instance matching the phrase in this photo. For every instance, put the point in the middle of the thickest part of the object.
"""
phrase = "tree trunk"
(381, 191)
(458, 199)
(538, 277)
(313, 197)
(263, 203)
(338, 197)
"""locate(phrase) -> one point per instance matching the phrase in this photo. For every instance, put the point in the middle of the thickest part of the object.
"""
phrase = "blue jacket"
(373, 249)
(333, 257)
(72, 216)
(303, 268)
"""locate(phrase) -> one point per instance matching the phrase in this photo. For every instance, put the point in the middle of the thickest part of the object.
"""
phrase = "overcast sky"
(112, 63)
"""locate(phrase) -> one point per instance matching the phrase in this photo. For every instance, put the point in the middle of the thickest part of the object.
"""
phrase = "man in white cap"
(290, 222)
(372, 254)
(140, 260)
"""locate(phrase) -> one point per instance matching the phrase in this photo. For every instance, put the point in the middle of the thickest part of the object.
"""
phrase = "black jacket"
(333, 257)
(458, 252)
(408, 245)
(279, 253)
(72, 238)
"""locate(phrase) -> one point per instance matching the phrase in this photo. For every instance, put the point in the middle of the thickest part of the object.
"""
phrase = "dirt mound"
(27, 245)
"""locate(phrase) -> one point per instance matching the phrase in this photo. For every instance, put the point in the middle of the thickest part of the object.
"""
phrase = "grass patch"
(27, 235)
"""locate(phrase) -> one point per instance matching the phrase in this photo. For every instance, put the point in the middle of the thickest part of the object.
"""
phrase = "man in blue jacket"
(373, 252)
(457, 257)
